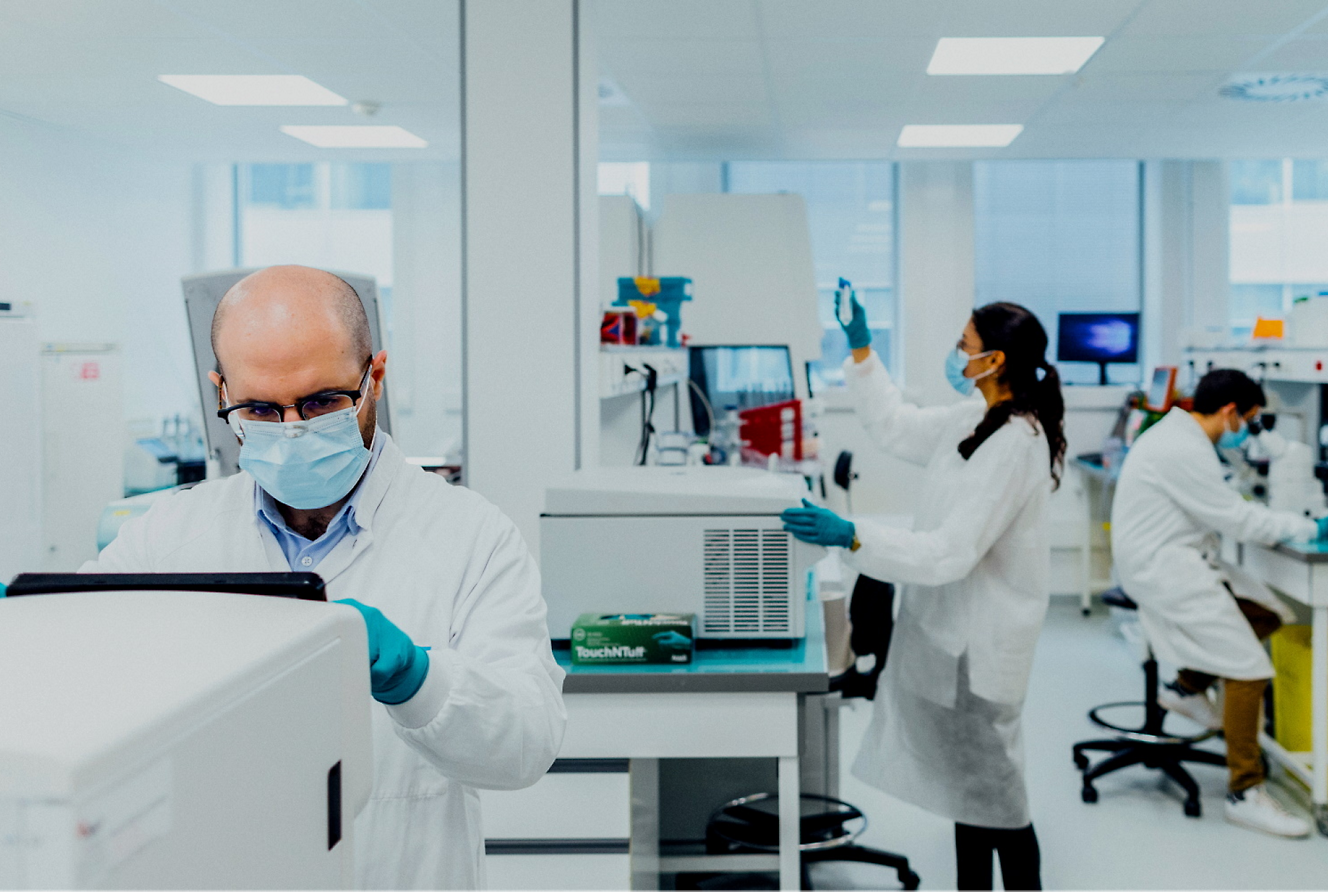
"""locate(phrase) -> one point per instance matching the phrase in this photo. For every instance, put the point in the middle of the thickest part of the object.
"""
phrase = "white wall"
(97, 239)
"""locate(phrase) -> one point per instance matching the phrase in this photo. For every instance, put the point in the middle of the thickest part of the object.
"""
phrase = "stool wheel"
(1088, 794)
(910, 880)
(1192, 808)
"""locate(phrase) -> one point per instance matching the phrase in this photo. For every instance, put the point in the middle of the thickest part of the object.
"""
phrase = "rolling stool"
(751, 824)
(1149, 744)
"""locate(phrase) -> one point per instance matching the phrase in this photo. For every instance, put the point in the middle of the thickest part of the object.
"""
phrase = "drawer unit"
(571, 830)
(566, 871)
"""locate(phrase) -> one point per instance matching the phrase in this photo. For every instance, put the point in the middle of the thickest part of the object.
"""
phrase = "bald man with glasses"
(460, 655)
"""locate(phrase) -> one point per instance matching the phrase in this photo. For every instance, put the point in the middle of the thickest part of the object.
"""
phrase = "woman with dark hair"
(973, 573)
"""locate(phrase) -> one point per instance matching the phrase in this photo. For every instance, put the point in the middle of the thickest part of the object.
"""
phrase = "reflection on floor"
(1135, 837)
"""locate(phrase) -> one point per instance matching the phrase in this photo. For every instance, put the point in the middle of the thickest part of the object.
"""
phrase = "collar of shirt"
(304, 555)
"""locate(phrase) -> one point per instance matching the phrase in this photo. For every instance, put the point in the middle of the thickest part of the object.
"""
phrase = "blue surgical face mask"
(305, 464)
(956, 362)
(1234, 439)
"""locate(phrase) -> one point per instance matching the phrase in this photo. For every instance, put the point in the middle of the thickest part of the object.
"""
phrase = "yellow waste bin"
(1291, 688)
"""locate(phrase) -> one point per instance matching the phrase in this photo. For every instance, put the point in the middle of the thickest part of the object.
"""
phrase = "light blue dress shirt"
(302, 554)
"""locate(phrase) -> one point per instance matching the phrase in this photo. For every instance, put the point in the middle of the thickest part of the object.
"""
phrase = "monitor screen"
(744, 376)
(1098, 337)
(1159, 392)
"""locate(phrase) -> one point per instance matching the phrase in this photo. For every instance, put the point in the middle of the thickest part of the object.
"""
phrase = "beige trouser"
(1240, 722)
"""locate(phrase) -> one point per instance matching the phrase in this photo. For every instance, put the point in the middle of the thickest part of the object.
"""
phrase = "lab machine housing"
(703, 540)
(181, 740)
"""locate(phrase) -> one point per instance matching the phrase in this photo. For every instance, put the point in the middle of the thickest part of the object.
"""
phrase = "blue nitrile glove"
(672, 639)
(819, 526)
(397, 667)
(859, 335)
(1323, 527)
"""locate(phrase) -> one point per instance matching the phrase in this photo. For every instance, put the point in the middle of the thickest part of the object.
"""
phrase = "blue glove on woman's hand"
(1323, 527)
(397, 667)
(819, 526)
(859, 335)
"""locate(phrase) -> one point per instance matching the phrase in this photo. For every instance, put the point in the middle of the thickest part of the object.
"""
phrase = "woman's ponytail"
(1035, 385)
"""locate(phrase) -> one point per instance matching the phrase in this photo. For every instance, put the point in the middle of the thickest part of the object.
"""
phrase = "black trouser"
(1021, 861)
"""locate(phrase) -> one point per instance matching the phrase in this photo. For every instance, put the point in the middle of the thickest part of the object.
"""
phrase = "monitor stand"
(1102, 374)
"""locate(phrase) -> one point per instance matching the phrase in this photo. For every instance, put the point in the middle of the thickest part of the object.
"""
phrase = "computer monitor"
(1158, 398)
(741, 375)
(1098, 337)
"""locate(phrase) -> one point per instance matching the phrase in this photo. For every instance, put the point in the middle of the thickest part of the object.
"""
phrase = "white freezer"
(181, 740)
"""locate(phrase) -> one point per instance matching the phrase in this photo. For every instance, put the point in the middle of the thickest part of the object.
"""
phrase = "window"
(851, 213)
(331, 216)
(1059, 237)
(1279, 224)
(626, 178)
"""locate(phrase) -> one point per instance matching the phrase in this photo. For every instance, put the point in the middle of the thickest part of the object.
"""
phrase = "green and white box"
(614, 638)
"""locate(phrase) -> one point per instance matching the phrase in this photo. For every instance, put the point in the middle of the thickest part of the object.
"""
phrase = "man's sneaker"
(1195, 707)
(1256, 809)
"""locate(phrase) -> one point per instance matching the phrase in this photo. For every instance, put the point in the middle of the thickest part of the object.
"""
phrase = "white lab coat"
(973, 576)
(450, 570)
(1170, 500)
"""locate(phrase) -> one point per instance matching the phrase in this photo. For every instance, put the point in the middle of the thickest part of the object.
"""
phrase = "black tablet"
(303, 586)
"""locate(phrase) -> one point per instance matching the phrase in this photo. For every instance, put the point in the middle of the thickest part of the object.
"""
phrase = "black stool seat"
(1148, 744)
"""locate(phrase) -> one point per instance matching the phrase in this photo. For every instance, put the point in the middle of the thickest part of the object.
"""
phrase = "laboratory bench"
(593, 821)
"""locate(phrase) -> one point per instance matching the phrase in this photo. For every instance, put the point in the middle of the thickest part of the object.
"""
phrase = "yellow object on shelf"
(1268, 328)
(647, 286)
(1292, 709)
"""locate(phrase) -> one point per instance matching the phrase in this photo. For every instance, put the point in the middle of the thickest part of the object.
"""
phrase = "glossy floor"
(1135, 837)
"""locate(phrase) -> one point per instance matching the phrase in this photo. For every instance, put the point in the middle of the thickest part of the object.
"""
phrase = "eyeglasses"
(313, 406)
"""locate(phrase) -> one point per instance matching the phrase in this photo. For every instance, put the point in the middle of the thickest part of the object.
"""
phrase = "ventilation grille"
(747, 585)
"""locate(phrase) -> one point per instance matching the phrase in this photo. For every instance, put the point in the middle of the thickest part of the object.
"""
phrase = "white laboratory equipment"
(160, 739)
(1292, 485)
(21, 445)
(82, 464)
(704, 540)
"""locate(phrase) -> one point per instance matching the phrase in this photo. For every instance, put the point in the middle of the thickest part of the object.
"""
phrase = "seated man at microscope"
(1198, 612)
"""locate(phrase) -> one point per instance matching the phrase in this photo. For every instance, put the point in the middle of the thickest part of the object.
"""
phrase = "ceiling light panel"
(253, 89)
(958, 136)
(355, 136)
(1012, 55)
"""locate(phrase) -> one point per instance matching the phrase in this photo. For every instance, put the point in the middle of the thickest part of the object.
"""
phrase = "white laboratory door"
(20, 448)
(83, 449)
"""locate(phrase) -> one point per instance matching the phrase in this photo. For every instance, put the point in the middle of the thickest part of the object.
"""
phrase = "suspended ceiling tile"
(103, 20)
(831, 85)
(648, 91)
(131, 63)
(841, 117)
(1306, 55)
(857, 144)
(894, 53)
(675, 19)
(683, 56)
(969, 90)
(247, 20)
(1105, 112)
(434, 23)
(1199, 18)
(1142, 55)
(1144, 87)
(718, 115)
(872, 20)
